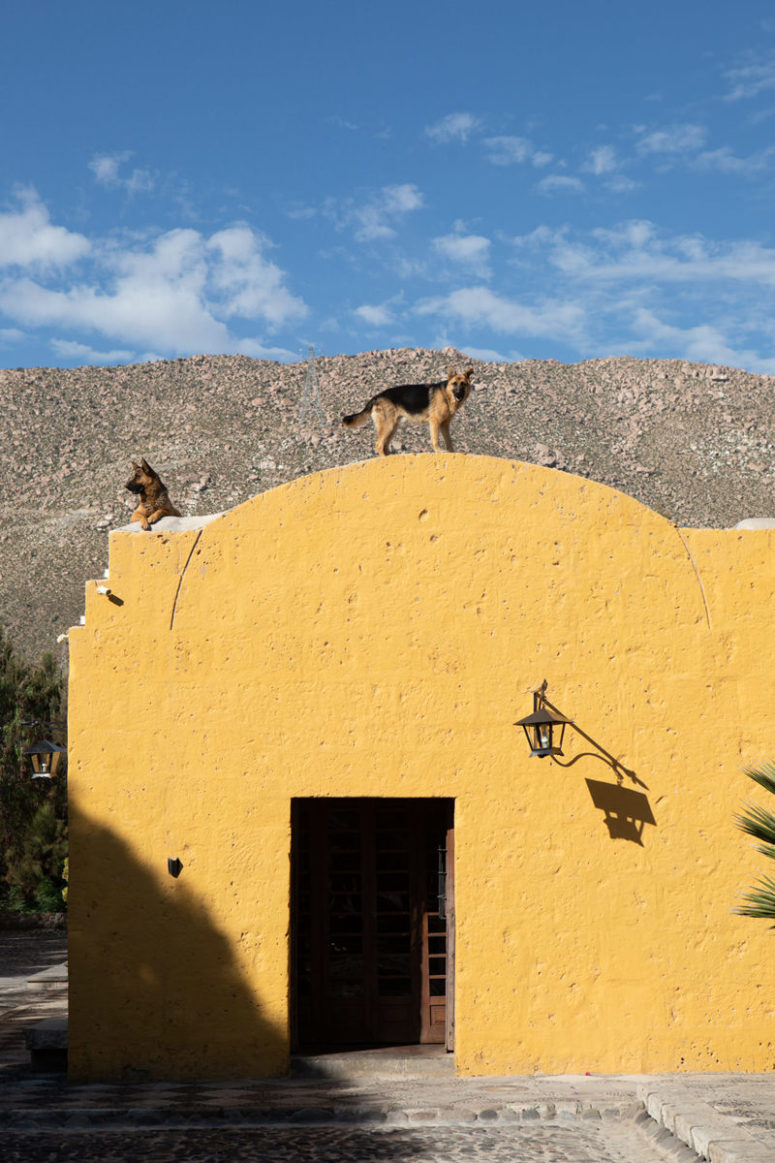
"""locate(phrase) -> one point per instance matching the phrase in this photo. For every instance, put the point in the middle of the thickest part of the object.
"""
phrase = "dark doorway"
(372, 909)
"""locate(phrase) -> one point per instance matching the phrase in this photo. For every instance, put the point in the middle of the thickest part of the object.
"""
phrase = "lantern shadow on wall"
(626, 811)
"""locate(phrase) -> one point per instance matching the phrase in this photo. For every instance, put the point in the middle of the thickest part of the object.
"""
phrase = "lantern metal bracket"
(545, 728)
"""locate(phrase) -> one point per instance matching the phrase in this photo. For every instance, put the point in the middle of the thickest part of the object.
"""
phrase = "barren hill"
(691, 441)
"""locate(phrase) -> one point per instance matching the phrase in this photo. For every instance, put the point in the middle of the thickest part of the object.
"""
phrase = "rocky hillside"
(691, 441)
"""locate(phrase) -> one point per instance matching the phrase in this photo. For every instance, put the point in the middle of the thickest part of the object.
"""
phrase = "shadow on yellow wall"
(152, 955)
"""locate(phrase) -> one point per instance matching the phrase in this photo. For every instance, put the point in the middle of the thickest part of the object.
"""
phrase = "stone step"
(52, 980)
(47, 1043)
(388, 1062)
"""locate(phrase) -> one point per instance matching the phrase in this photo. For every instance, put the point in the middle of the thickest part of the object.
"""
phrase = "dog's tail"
(355, 419)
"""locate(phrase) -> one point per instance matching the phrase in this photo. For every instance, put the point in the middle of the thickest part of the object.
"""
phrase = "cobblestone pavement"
(573, 1142)
(341, 1112)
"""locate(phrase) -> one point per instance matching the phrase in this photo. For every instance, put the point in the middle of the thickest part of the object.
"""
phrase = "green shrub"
(33, 813)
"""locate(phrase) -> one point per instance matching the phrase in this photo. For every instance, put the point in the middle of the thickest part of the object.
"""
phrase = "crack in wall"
(180, 579)
(697, 573)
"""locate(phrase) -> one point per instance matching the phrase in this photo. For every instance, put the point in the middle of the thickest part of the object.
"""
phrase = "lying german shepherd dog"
(432, 404)
(155, 502)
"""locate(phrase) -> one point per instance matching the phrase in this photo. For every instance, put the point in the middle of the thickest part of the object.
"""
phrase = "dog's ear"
(135, 464)
(468, 373)
(452, 373)
(146, 467)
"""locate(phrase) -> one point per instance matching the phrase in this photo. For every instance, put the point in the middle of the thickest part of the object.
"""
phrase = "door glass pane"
(344, 861)
(394, 966)
(343, 820)
(395, 987)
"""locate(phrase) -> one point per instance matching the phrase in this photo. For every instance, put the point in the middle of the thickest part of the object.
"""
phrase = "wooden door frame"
(450, 991)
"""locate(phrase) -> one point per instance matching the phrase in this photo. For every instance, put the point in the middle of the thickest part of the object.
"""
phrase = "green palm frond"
(764, 776)
(760, 902)
(758, 822)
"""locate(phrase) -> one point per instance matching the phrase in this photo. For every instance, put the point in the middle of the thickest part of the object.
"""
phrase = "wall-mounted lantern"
(45, 758)
(544, 728)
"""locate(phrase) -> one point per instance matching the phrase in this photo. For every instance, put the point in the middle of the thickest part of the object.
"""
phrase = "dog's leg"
(386, 422)
(444, 428)
(434, 427)
(139, 515)
(384, 437)
(155, 516)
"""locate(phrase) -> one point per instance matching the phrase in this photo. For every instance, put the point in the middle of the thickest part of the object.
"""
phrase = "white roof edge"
(170, 524)
(756, 523)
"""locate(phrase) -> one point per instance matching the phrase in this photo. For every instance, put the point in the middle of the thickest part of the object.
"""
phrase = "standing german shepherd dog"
(154, 498)
(432, 404)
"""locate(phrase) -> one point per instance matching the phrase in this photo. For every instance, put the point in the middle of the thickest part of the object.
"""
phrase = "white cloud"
(510, 151)
(409, 268)
(750, 79)
(377, 218)
(471, 250)
(702, 343)
(68, 349)
(106, 167)
(675, 139)
(258, 350)
(642, 289)
(155, 312)
(541, 236)
(301, 213)
(248, 284)
(453, 127)
(601, 160)
(401, 199)
(488, 355)
(479, 306)
(11, 335)
(620, 184)
(28, 238)
(727, 162)
(343, 123)
(560, 184)
(172, 297)
(630, 287)
(374, 315)
(637, 251)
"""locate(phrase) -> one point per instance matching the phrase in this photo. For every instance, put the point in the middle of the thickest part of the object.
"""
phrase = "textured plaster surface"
(376, 630)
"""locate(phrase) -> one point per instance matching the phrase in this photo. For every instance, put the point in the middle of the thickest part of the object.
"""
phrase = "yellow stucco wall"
(376, 630)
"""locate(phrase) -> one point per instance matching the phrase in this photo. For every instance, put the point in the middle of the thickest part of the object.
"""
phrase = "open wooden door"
(369, 931)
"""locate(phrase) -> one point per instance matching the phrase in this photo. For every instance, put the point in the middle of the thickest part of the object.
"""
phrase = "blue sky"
(560, 180)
